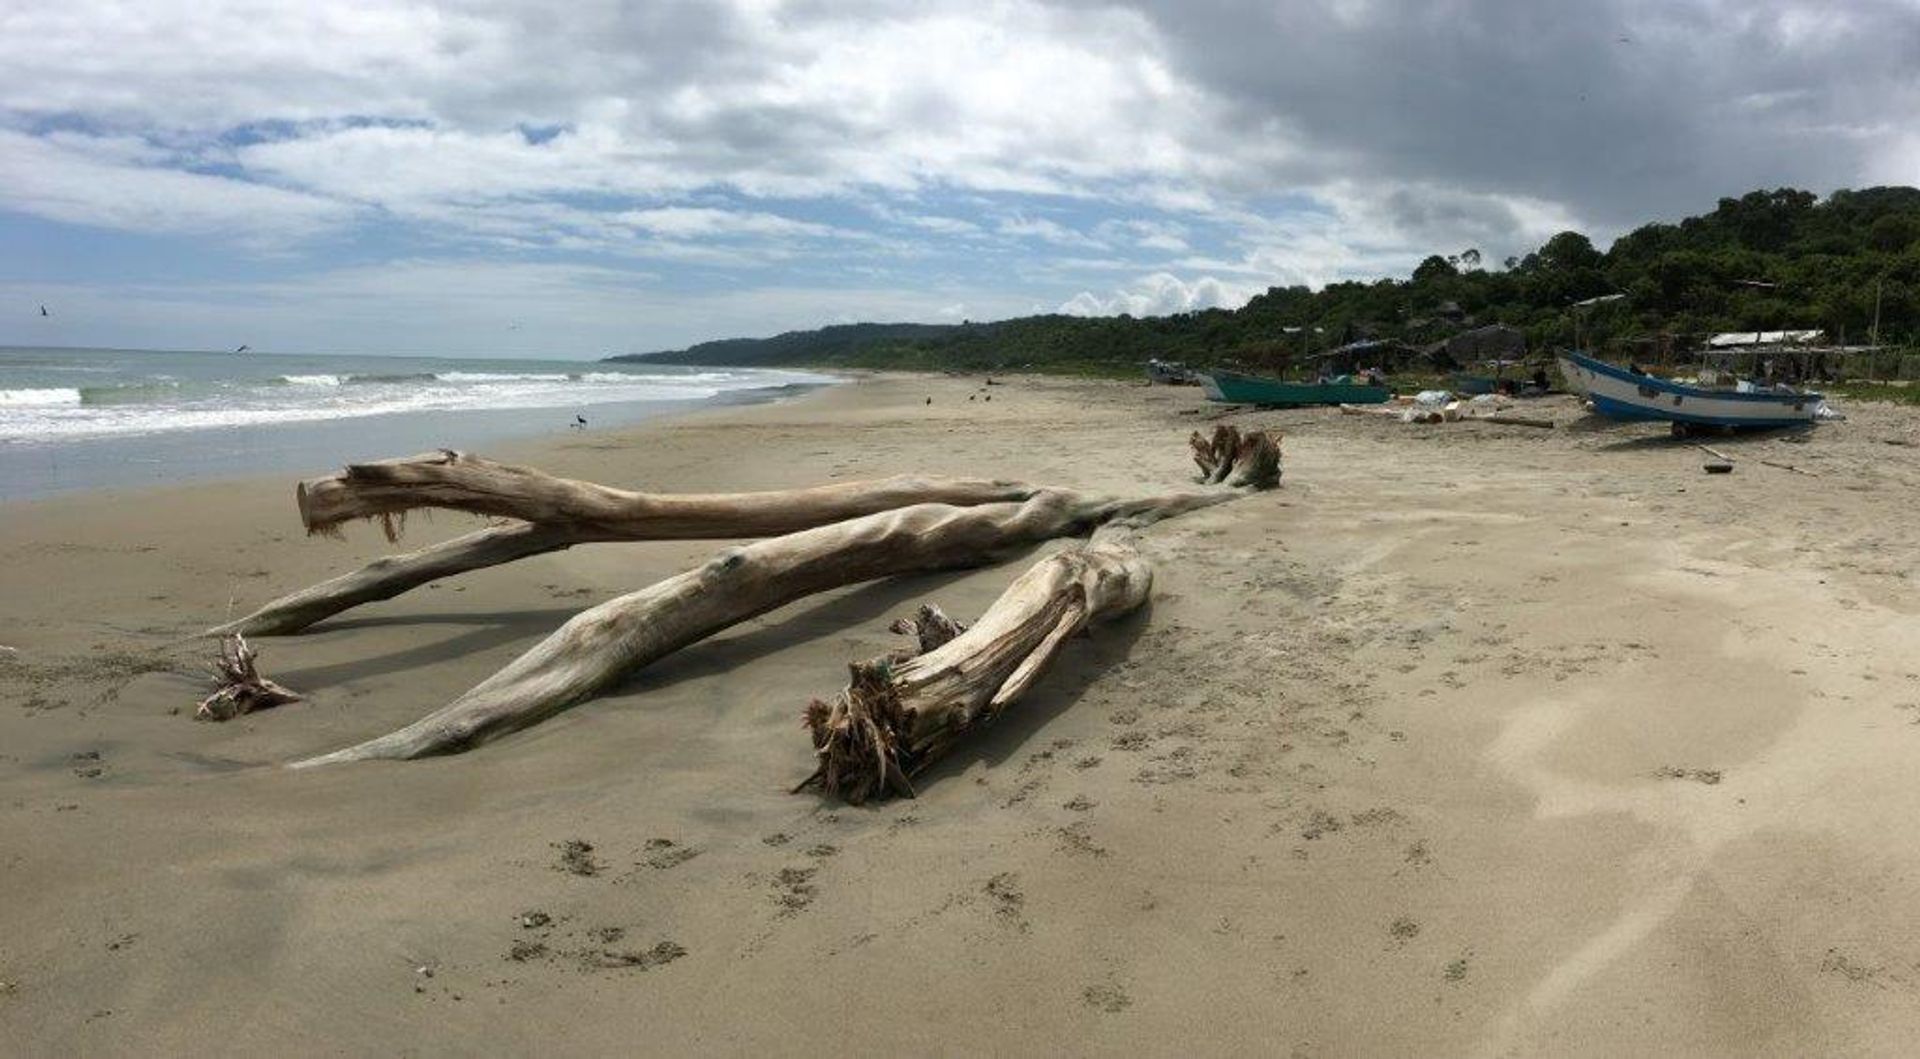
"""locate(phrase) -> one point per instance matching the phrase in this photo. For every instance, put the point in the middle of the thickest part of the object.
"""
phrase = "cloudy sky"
(514, 177)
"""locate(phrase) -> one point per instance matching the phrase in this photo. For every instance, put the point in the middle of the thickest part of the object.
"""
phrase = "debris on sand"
(1706, 776)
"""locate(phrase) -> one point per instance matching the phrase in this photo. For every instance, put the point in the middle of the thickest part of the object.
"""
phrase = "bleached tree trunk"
(900, 712)
(460, 482)
(559, 513)
(608, 641)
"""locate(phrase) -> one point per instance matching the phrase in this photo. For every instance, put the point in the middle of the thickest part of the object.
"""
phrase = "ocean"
(94, 418)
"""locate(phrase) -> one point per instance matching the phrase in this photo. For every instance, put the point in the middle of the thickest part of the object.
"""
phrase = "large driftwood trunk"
(603, 643)
(900, 712)
(460, 482)
(559, 513)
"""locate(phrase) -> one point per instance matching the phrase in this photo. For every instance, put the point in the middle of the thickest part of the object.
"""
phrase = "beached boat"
(1619, 393)
(1236, 388)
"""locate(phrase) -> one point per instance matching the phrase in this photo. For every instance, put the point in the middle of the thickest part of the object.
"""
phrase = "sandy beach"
(1468, 740)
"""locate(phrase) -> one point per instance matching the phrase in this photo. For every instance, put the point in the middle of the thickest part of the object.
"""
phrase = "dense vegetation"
(1767, 260)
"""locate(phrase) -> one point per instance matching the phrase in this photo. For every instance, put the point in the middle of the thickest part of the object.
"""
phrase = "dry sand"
(1470, 740)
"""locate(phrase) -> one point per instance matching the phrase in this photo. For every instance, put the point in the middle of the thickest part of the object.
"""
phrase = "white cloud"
(105, 182)
(1162, 293)
(1046, 144)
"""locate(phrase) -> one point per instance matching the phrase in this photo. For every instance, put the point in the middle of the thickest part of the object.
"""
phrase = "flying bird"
(44, 312)
(243, 349)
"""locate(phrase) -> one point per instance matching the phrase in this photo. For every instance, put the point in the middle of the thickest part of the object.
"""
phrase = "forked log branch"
(1250, 460)
(238, 686)
(902, 711)
(393, 575)
(608, 641)
(559, 513)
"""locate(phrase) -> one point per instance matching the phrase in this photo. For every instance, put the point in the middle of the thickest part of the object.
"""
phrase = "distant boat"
(1170, 373)
(1618, 393)
(1236, 388)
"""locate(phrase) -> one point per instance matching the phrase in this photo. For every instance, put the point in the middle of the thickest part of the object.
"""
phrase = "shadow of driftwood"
(867, 609)
(491, 629)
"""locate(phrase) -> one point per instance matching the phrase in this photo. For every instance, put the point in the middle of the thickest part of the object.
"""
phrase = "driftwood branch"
(559, 514)
(608, 641)
(900, 712)
(238, 686)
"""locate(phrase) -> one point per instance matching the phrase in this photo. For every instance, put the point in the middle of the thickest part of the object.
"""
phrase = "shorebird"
(579, 422)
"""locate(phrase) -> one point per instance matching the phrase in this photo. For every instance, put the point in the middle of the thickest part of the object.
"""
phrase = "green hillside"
(1765, 261)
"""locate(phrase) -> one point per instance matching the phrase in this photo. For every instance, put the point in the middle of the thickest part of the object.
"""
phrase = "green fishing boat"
(1236, 388)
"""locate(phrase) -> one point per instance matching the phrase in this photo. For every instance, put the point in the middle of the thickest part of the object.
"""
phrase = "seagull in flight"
(243, 349)
(44, 312)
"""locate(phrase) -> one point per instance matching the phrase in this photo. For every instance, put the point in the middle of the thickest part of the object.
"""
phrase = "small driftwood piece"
(558, 513)
(603, 643)
(902, 711)
(1512, 421)
(238, 686)
(1250, 460)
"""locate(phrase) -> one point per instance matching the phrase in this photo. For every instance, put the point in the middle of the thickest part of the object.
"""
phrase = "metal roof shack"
(1732, 339)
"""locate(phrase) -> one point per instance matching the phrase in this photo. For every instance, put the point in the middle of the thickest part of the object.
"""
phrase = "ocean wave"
(381, 377)
(128, 392)
(489, 376)
(53, 396)
(310, 380)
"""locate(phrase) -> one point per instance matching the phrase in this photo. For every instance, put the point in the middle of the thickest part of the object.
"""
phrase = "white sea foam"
(48, 397)
(57, 414)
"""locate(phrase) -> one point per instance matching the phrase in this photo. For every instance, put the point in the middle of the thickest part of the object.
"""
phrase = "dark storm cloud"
(1617, 110)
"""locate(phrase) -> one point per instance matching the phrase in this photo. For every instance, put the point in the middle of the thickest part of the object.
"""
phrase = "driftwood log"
(606, 642)
(902, 711)
(557, 513)
(238, 686)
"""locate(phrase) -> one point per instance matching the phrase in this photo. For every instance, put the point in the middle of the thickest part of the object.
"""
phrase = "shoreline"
(1468, 739)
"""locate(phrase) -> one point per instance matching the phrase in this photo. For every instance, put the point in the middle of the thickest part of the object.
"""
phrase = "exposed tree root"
(238, 686)
(1250, 460)
(610, 640)
(902, 711)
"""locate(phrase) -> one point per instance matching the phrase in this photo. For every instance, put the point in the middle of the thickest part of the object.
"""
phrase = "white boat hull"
(1620, 394)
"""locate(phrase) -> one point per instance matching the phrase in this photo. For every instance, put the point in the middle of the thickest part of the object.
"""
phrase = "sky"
(523, 178)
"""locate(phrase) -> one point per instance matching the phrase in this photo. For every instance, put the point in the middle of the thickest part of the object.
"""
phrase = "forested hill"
(1768, 260)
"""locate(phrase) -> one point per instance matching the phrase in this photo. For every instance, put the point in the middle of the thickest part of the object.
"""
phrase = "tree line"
(1768, 260)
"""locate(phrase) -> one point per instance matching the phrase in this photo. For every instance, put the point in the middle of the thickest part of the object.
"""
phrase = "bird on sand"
(579, 422)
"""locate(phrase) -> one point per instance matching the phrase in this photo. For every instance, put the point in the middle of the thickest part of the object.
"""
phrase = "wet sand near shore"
(1468, 740)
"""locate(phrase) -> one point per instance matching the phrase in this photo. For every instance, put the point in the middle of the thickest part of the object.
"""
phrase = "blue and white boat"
(1618, 393)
